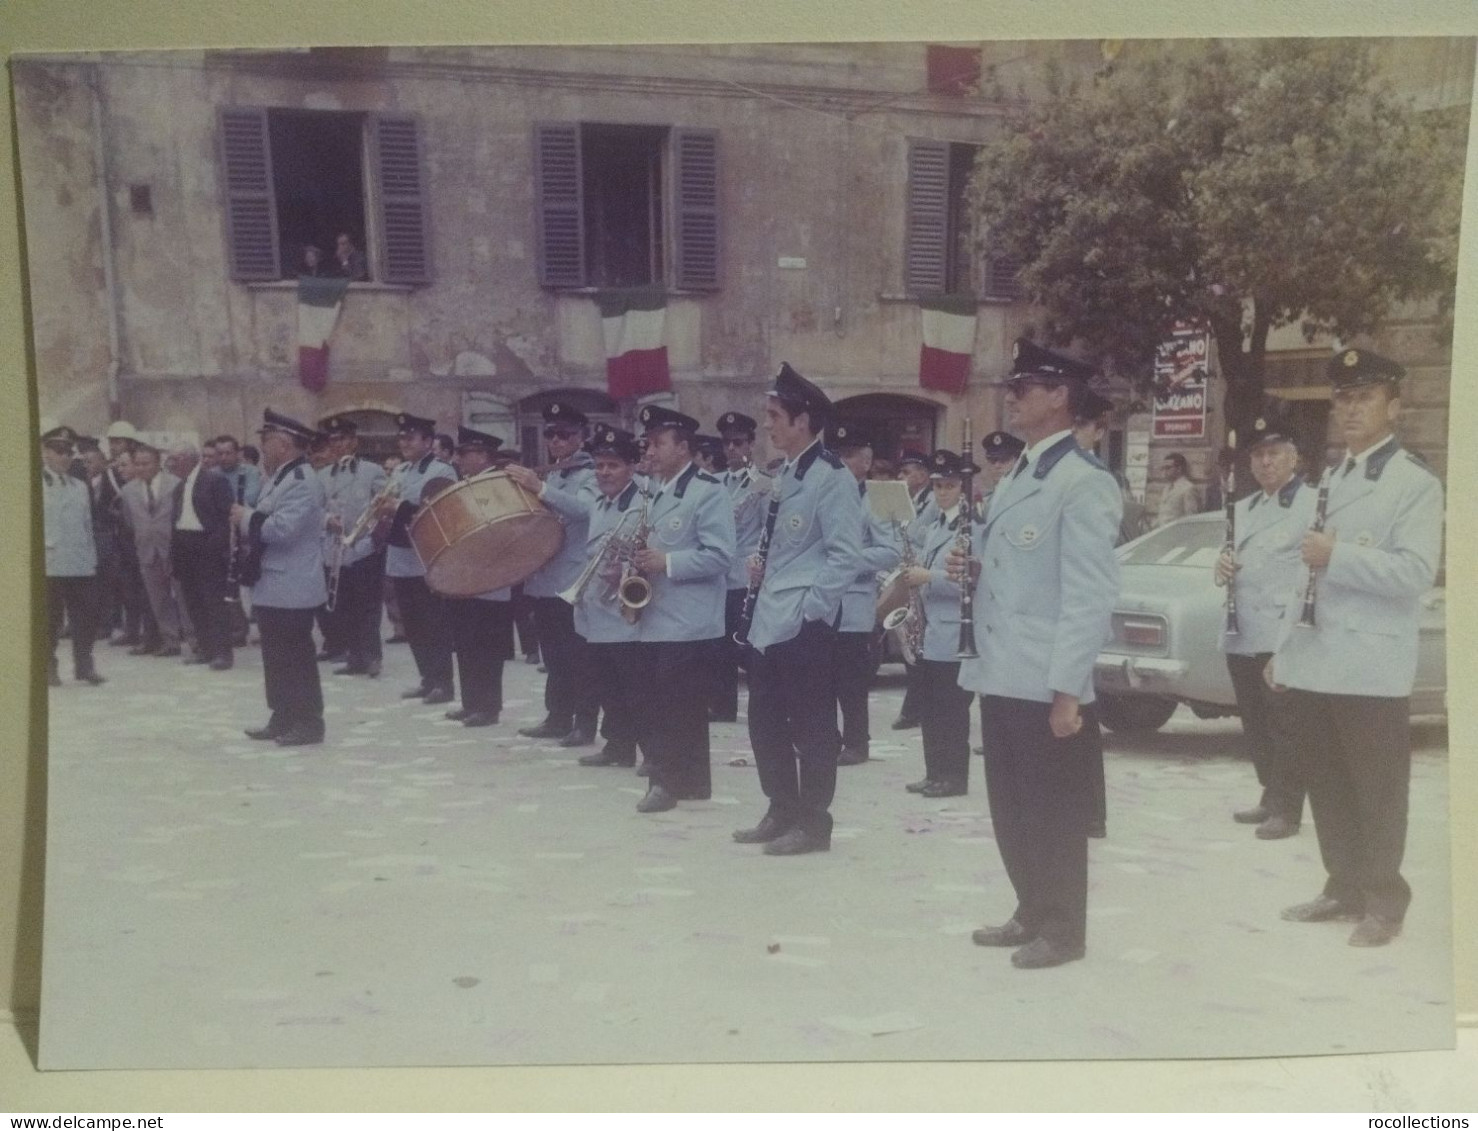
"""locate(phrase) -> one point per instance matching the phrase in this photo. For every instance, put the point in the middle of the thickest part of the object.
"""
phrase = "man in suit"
(200, 544)
(284, 533)
(350, 486)
(1180, 497)
(246, 484)
(747, 496)
(1263, 567)
(148, 511)
(1044, 596)
(1349, 672)
(71, 556)
(880, 552)
(813, 540)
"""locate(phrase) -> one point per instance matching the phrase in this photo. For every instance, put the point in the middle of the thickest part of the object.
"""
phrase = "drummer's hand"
(650, 561)
(525, 478)
(916, 576)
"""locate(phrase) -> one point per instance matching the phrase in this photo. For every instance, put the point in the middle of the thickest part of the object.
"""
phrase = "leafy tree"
(1254, 184)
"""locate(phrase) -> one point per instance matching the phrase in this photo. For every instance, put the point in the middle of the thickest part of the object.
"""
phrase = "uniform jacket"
(401, 559)
(1048, 578)
(561, 571)
(1179, 500)
(815, 548)
(597, 614)
(212, 498)
(1269, 535)
(691, 521)
(288, 522)
(941, 597)
(880, 552)
(66, 507)
(349, 485)
(151, 524)
(747, 494)
(1387, 526)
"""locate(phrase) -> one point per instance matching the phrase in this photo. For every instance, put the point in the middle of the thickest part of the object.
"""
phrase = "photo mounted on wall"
(811, 552)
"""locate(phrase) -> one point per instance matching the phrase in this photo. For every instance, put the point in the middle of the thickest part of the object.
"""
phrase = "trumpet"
(608, 554)
(370, 514)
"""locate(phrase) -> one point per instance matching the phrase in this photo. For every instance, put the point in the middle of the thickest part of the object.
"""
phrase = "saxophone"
(907, 620)
(634, 591)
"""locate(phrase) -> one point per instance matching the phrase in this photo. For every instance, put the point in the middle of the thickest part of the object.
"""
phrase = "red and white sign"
(1180, 383)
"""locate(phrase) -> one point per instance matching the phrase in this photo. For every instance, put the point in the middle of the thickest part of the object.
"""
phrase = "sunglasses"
(1017, 386)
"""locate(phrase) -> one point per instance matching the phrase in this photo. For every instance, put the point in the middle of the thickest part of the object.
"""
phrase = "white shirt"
(1360, 460)
(1033, 453)
(189, 520)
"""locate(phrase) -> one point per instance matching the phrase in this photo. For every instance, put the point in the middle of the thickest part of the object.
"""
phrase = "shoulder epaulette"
(1092, 459)
(706, 477)
(298, 472)
(1421, 463)
(831, 459)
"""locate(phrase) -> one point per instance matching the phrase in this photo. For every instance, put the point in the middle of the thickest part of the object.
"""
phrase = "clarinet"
(751, 595)
(967, 649)
(233, 566)
(1321, 505)
(1229, 490)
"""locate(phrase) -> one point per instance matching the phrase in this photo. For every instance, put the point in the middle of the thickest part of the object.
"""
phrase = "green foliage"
(1256, 184)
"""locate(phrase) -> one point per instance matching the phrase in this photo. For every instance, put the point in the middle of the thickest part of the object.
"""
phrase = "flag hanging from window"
(634, 323)
(320, 298)
(949, 342)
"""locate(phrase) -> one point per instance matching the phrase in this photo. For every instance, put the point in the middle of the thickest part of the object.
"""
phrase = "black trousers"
(107, 597)
(200, 570)
(793, 726)
(426, 629)
(571, 695)
(725, 660)
(482, 632)
(1266, 728)
(359, 608)
(854, 677)
(672, 714)
(138, 617)
(523, 619)
(910, 708)
(1040, 808)
(290, 667)
(617, 673)
(76, 598)
(944, 717)
(1356, 754)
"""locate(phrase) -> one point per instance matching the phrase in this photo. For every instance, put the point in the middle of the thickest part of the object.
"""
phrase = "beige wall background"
(71, 25)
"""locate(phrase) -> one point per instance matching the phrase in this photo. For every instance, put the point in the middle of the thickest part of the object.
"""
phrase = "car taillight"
(1146, 633)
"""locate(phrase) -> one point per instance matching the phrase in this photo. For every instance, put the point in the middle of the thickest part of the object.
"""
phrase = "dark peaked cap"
(654, 416)
(1353, 367)
(1002, 445)
(799, 395)
(277, 422)
(557, 412)
(405, 422)
(737, 422)
(338, 426)
(471, 438)
(847, 437)
(1030, 360)
(609, 441)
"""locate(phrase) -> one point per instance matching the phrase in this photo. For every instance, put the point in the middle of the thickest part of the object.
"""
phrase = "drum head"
(501, 553)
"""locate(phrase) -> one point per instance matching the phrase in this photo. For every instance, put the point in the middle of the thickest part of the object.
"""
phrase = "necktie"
(149, 493)
(1021, 466)
(1349, 465)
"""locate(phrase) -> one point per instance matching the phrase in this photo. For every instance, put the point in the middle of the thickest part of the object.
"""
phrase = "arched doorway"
(895, 422)
(529, 417)
(377, 433)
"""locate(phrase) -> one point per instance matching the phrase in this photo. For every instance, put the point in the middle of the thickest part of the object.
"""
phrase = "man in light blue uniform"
(746, 494)
(880, 552)
(571, 702)
(283, 534)
(424, 612)
(351, 484)
(812, 550)
(1042, 607)
(1264, 568)
(1349, 675)
(913, 469)
(71, 555)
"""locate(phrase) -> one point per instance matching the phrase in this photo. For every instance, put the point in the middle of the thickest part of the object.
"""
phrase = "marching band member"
(880, 552)
(1001, 452)
(482, 625)
(351, 485)
(737, 432)
(1370, 567)
(1042, 605)
(571, 702)
(282, 536)
(913, 469)
(813, 535)
(423, 611)
(944, 706)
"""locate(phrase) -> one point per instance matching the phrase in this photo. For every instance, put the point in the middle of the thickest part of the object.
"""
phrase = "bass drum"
(484, 533)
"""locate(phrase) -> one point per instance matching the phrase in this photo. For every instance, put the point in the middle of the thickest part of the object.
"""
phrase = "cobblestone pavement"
(416, 893)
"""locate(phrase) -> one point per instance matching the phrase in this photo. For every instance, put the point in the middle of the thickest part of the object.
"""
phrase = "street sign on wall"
(1180, 383)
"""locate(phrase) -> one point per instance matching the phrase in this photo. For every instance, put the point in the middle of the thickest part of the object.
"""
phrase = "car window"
(1195, 543)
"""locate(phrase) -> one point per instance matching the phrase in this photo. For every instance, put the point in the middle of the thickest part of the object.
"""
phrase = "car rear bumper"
(1155, 675)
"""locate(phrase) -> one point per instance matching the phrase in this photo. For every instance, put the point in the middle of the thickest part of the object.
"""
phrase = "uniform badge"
(675, 523)
(1365, 538)
(1351, 358)
(795, 522)
(1028, 535)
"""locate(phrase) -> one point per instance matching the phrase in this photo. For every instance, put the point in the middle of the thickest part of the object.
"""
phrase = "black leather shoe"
(797, 842)
(770, 828)
(1097, 831)
(1254, 816)
(904, 723)
(531, 658)
(1275, 828)
(1321, 909)
(222, 664)
(372, 669)
(546, 729)
(124, 641)
(196, 658)
(333, 657)
(657, 800)
(607, 758)
(92, 679)
(1375, 930)
(169, 653)
(458, 714)
(944, 789)
(919, 786)
(851, 756)
(301, 736)
(143, 650)
(1009, 933)
(479, 719)
(578, 736)
(1042, 953)
(263, 733)
(352, 669)
(644, 770)
(437, 696)
(398, 638)
(418, 692)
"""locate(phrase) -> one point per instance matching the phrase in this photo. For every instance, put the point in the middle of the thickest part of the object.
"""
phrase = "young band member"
(1043, 601)
(737, 432)
(1375, 558)
(812, 541)
(283, 533)
(351, 485)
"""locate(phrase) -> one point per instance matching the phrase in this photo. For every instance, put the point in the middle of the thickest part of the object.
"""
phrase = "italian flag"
(949, 342)
(633, 321)
(319, 302)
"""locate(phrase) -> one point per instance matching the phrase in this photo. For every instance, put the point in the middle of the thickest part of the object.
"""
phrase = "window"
(298, 177)
(620, 206)
(942, 234)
